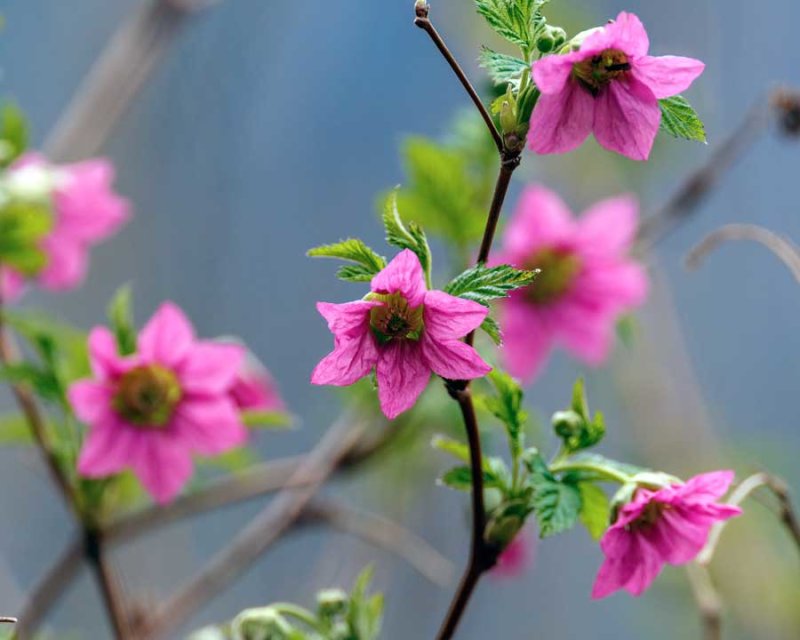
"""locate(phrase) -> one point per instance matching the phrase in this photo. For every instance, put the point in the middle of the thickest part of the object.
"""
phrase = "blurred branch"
(707, 599)
(262, 531)
(116, 77)
(782, 247)
(781, 105)
(787, 514)
(382, 533)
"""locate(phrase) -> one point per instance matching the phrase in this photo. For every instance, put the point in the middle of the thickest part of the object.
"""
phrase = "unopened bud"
(331, 603)
(550, 39)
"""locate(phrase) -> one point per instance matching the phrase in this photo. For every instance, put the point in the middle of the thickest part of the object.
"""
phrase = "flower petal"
(67, 262)
(708, 486)
(626, 118)
(103, 355)
(108, 449)
(12, 284)
(167, 337)
(626, 33)
(586, 333)
(667, 76)
(402, 376)
(561, 121)
(355, 353)
(552, 72)
(447, 316)
(453, 359)
(347, 320)
(90, 400)
(614, 286)
(541, 219)
(209, 425)
(162, 465)
(210, 367)
(620, 563)
(527, 340)
(608, 227)
(403, 274)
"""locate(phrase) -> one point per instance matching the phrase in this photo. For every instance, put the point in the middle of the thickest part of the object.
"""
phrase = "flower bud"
(331, 603)
(550, 39)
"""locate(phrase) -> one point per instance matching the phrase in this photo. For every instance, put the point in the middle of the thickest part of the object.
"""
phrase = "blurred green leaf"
(266, 419)
(14, 430)
(595, 509)
(14, 133)
(120, 317)
(506, 406)
(367, 262)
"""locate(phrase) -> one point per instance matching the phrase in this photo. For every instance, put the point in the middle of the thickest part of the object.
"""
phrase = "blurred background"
(271, 127)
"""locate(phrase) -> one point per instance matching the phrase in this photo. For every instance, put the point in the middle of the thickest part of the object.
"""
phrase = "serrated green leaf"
(680, 120)
(355, 273)
(120, 317)
(406, 237)
(460, 478)
(595, 509)
(484, 284)
(367, 261)
(503, 69)
(266, 419)
(556, 504)
(514, 20)
(492, 329)
(506, 406)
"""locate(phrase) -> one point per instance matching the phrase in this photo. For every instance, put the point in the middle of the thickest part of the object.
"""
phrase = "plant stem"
(604, 472)
(423, 22)
(107, 582)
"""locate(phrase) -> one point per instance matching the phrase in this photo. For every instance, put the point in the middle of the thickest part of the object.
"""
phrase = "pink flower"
(85, 211)
(403, 331)
(586, 281)
(151, 410)
(668, 526)
(610, 87)
(516, 557)
(255, 389)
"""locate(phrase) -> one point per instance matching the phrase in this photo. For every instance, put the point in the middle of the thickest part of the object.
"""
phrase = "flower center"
(395, 319)
(147, 396)
(559, 268)
(596, 72)
(649, 516)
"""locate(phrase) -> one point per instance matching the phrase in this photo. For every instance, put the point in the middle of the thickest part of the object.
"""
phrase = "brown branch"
(781, 104)
(423, 22)
(708, 600)
(783, 248)
(116, 78)
(383, 533)
(261, 532)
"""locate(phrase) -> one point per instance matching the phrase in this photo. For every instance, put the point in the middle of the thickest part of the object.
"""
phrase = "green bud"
(331, 603)
(500, 531)
(567, 423)
(550, 39)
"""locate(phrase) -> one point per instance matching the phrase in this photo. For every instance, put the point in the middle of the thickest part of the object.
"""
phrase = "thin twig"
(782, 104)
(783, 248)
(787, 514)
(116, 77)
(709, 602)
(261, 532)
(383, 533)
(423, 22)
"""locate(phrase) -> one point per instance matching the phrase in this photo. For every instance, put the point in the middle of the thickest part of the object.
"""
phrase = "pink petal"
(403, 274)
(708, 486)
(12, 284)
(162, 465)
(541, 219)
(103, 355)
(561, 121)
(667, 76)
(586, 334)
(527, 340)
(402, 376)
(626, 118)
(608, 227)
(108, 449)
(355, 352)
(90, 400)
(447, 316)
(67, 262)
(453, 359)
(620, 564)
(209, 425)
(552, 72)
(210, 367)
(626, 33)
(646, 570)
(347, 320)
(614, 286)
(168, 337)
(255, 389)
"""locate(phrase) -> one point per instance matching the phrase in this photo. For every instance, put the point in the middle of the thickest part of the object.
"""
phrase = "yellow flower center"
(559, 268)
(395, 319)
(596, 72)
(147, 395)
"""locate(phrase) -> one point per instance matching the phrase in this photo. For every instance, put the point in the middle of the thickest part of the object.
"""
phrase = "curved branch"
(709, 602)
(782, 247)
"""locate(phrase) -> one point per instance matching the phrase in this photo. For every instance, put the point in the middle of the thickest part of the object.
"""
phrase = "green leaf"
(598, 460)
(595, 509)
(365, 613)
(120, 316)
(22, 225)
(406, 237)
(626, 330)
(502, 68)
(492, 329)
(367, 262)
(266, 419)
(455, 448)
(680, 120)
(460, 478)
(484, 284)
(556, 504)
(14, 430)
(506, 406)
(575, 426)
(42, 382)
(515, 20)
(14, 133)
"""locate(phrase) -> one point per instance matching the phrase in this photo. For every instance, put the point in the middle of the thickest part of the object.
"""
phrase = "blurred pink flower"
(85, 211)
(255, 389)
(151, 410)
(668, 526)
(586, 281)
(610, 87)
(405, 332)
(516, 557)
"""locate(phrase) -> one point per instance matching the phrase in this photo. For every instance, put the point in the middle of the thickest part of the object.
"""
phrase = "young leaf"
(506, 406)
(514, 20)
(492, 329)
(680, 120)
(460, 478)
(411, 237)
(575, 426)
(13, 133)
(367, 262)
(503, 69)
(120, 317)
(453, 447)
(266, 419)
(484, 284)
(595, 509)
(556, 504)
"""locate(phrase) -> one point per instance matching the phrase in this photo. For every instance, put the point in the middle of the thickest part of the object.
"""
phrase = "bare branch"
(116, 78)
(708, 600)
(783, 248)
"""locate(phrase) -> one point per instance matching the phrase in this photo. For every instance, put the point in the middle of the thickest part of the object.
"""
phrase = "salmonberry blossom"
(85, 210)
(516, 557)
(586, 282)
(667, 526)
(254, 389)
(609, 87)
(150, 411)
(404, 331)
